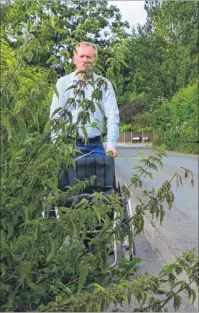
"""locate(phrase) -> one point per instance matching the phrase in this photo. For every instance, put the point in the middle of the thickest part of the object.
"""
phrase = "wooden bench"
(136, 139)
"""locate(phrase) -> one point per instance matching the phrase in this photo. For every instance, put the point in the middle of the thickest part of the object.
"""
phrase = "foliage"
(36, 261)
(140, 122)
(162, 59)
(125, 128)
(59, 26)
(177, 121)
(143, 122)
(45, 265)
(135, 106)
(121, 293)
(164, 55)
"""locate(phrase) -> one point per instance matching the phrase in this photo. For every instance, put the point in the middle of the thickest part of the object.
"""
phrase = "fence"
(136, 137)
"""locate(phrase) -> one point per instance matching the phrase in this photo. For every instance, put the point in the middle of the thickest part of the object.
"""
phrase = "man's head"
(84, 55)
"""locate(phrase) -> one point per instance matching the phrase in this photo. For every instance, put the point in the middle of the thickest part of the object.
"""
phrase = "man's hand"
(113, 151)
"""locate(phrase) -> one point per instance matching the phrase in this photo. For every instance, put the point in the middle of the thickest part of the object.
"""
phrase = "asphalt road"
(160, 244)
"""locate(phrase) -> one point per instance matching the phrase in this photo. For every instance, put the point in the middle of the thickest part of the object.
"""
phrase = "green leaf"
(97, 212)
(109, 60)
(51, 60)
(100, 107)
(28, 75)
(52, 249)
(56, 110)
(6, 123)
(83, 128)
(193, 296)
(56, 91)
(71, 87)
(124, 63)
(82, 277)
(68, 290)
(176, 302)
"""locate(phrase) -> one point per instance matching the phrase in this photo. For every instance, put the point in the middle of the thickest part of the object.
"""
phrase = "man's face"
(84, 57)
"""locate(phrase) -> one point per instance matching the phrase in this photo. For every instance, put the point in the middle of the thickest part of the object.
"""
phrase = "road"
(160, 244)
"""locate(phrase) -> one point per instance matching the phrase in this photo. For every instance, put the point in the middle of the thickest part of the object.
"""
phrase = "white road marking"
(123, 158)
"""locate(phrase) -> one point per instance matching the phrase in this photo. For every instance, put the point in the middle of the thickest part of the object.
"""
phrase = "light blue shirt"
(108, 104)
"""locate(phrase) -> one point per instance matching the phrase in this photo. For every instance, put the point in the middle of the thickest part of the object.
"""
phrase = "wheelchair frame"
(126, 251)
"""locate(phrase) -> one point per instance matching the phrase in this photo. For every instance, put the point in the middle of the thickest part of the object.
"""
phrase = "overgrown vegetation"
(162, 63)
(176, 123)
(44, 263)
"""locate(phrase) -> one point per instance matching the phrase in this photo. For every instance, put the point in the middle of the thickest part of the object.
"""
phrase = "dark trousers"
(95, 148)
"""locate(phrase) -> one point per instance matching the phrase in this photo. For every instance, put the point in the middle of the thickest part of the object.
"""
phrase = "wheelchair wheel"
(128, 247)
(118, 189)
(128, 253)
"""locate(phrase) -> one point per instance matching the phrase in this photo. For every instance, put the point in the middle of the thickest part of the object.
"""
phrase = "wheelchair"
(103, 169)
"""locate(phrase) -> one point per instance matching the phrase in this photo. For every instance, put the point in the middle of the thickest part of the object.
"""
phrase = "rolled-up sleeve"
(112, 114)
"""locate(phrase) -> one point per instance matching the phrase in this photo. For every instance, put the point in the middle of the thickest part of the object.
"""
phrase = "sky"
(131, 11)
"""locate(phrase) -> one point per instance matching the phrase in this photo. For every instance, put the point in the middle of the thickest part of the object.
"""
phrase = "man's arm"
(112, 114)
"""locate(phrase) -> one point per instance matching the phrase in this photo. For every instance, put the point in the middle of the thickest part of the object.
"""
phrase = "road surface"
(160, 244)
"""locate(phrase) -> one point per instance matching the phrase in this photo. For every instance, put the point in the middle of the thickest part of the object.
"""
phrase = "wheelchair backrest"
(102, 167)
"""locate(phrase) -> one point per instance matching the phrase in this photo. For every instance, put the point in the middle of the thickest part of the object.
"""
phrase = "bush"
(125, 128)
(177, 122)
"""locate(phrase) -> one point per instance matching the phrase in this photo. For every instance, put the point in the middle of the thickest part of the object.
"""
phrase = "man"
(84, 58)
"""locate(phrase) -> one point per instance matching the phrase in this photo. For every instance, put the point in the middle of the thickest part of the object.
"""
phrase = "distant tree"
(163, 52)
(136, 105)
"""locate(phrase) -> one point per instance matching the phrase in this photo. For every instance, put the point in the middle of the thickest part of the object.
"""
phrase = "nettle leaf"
(51, 60)
(82, 277)
(28, 75)
(162, 213)
(83, 128)
(124, 63)
(71, 87)
(100, 107)
(193, 296)
(109, 60)
(6, 123)
(176, 302)
(69, 114)
(23, 269)
(97, 212)
(56, 91)
(56, 111)
(3, 269)
(10, 229)
(52, 248)
(74, 227)
(68, 290)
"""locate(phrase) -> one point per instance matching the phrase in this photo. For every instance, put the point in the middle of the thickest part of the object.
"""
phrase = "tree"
(163, 52)
(59, 25)
(136, 105)
(143, 122)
